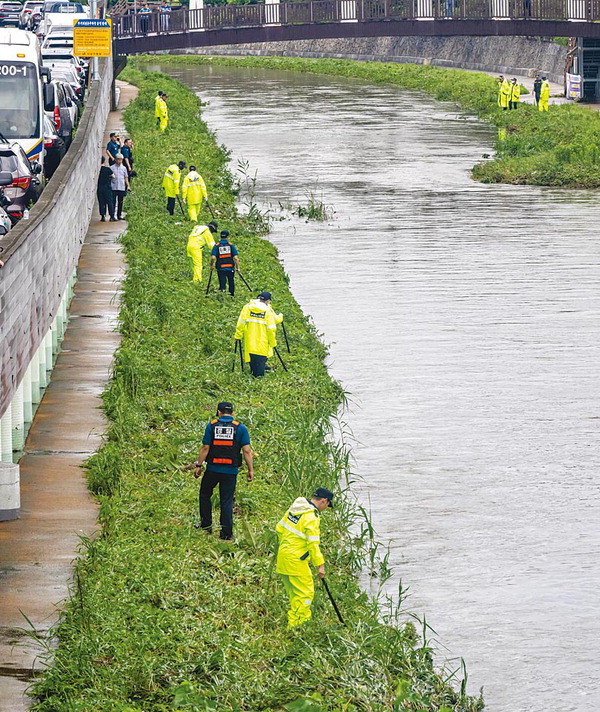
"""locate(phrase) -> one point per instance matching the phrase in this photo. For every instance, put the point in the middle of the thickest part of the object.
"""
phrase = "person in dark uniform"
(225, 442)
(537, 88)
(106, 198)
(224, 258)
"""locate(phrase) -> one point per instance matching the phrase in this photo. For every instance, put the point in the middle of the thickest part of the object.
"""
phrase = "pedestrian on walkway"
(165, 15)
(120, 184)
(194, 192)
(299, 537)
(544, 95)
(224, 443)
(515, 94)
(503, 93)
(170, 183)
(127, 152)
(201, 236)
(106, 199)
(164, 114)
(157, 104)
(112, 148)
(256, 326)
(225, 260)
(537, 88)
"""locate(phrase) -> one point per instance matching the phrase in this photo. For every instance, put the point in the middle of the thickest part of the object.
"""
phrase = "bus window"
(19, 111)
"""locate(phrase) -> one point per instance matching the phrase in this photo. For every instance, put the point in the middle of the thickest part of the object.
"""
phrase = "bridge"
(274, 21)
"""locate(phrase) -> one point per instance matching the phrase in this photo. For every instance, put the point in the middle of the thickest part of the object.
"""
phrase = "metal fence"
(338, 11)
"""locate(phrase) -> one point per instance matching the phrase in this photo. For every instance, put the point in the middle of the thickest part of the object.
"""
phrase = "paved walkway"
(37, 550)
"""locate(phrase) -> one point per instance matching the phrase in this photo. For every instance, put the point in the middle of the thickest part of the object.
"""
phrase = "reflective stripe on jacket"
(171, 181)
(256, 325)
(193, 189)
(299, 539)
(201, 236)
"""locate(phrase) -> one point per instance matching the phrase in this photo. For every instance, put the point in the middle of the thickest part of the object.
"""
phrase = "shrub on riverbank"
(162, 616)
(559, 148)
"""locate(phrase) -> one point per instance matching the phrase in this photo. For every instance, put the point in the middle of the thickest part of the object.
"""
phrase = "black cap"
(213, 226)
(192, 168)
(264, 296)
(224, 234)
(322, 493)
(181, 164)
(225, 407)
(160, 93)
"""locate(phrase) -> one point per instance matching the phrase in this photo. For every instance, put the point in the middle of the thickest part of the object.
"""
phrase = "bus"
(22, 80)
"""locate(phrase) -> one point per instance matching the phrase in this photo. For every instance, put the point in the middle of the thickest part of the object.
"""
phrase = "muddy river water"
(464, 320)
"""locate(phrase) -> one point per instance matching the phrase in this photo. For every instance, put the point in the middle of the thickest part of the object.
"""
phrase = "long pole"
(210, 209)
(241, 355)
(235, 348)
(208, 285)
(279, 357)
(333, 603)
(93, 16)
(180, 205)
(287, 343)
(244, 281)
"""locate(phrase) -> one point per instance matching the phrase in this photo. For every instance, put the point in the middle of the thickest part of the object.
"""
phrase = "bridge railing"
(333, 11)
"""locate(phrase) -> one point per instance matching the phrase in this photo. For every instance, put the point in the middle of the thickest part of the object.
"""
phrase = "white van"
(22, 79)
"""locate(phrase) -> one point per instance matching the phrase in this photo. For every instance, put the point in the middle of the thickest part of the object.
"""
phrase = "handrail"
(130, 24)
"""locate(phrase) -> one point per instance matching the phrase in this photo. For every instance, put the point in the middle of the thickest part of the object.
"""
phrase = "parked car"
(67, 73)
(5, 222)
(61, 13)
(77, 103)
(54, 147)
(9, 13)
(26, 10)
(57, 108)
(26, 186)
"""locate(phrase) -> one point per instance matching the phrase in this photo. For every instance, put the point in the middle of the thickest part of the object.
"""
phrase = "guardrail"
(341, 11)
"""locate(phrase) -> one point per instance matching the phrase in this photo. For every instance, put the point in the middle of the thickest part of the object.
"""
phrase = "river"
(464, 321)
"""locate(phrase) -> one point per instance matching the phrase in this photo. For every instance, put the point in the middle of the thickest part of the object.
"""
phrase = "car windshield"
(19, 110)
(71, 7)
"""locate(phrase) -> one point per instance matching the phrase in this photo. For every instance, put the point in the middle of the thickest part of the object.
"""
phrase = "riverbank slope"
(164, 616)
(556, 148)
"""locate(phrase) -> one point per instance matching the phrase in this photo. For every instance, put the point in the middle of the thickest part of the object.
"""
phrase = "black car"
(26, 186)
(10, 13)
(54, 147)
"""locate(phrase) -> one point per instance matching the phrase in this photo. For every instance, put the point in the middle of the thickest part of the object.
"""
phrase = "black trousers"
(119, 198)
(226, 276)
(170, 205)
(226, 493)
(106, 200)
(513, 104)
(257, 365)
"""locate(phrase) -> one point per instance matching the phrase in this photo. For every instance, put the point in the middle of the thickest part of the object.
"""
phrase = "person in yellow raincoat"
(544, 95)
(299, 537)
(200, 237)
(256, 325)
(164, 113)
(515, 94)
(171, 182)
(503, 92)
(194, 192)
(278, 318)
(157, 104)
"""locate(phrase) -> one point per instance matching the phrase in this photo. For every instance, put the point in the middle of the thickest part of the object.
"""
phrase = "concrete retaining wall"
(521, 56)
(40, 254)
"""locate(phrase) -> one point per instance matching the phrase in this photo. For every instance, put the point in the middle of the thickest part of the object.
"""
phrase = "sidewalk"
(37, 551)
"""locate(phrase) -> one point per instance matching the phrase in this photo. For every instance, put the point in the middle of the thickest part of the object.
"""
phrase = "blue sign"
(92, 23)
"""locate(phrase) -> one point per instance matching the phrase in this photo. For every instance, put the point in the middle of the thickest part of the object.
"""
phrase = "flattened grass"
(163, 616)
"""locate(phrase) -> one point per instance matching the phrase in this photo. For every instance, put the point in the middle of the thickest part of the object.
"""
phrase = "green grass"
(558, 148)
(164, 617)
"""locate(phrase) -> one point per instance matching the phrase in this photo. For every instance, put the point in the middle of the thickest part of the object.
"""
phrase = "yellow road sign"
(92, 38)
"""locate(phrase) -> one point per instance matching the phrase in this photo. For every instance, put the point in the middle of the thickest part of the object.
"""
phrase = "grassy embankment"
(162, 616)
(559, 148)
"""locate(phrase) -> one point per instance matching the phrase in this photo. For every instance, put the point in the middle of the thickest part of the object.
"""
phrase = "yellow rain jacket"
(504, 96)
(515, 94)
(163, 115)
(200, 237)
(171, 181)
(299, 538)
(256, 325)
(193, 189)
(157, 102)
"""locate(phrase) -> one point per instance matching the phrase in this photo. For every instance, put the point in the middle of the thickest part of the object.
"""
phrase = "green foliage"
(558, 148)
(162, 616)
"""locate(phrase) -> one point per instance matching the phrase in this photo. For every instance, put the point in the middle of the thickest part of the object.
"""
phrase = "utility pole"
(94, 16)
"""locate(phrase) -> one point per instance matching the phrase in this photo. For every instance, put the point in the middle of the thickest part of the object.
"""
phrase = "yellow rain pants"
(544, 96)
(301, 591)
(200, 236)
